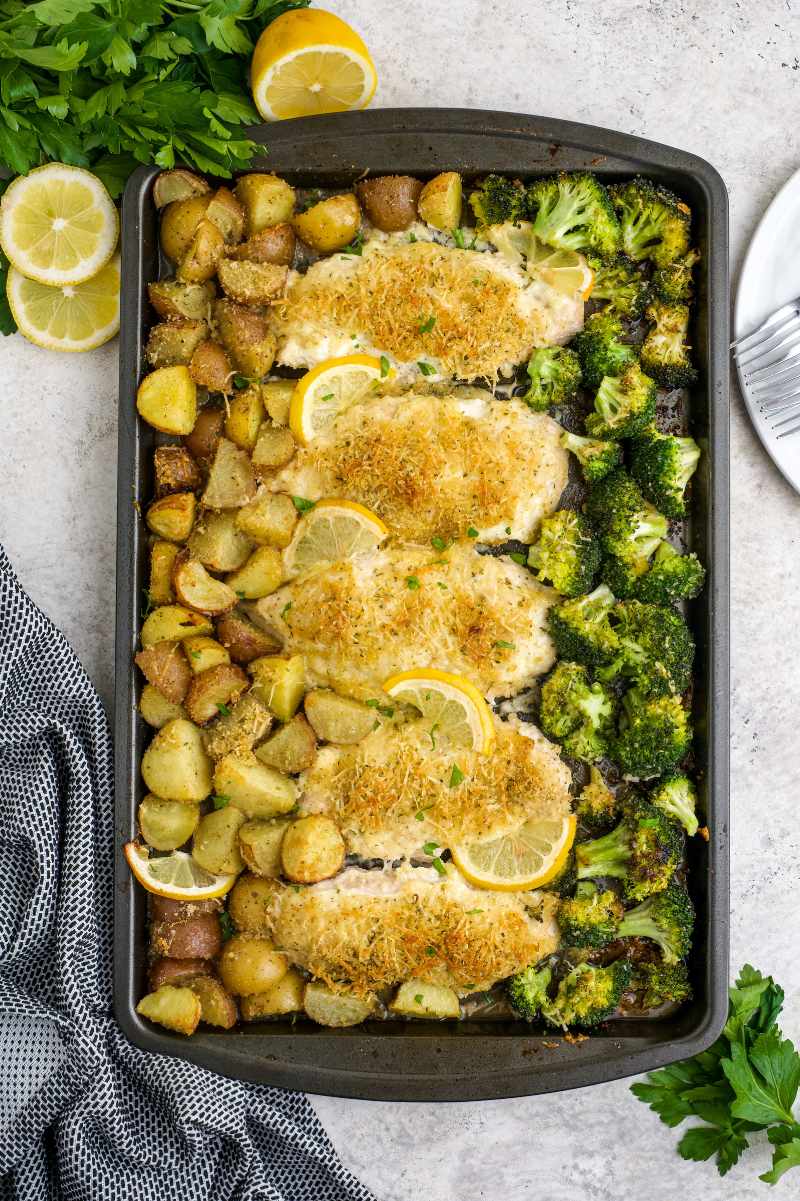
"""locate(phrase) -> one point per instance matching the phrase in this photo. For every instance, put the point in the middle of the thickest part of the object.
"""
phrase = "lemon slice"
(72, 317)
(58, 224)
(321, 394)
(176, 875)
(510, 240)
(527, 858)
(308, 62)
(333, 530)
(452, 706)
(565, 270)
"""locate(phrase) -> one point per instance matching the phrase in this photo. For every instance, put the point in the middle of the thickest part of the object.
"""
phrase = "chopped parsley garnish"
(458, 238)
(439, 543)
(507, 646)
(220, 800)
(330, 396)
(418, 998)
(224, 710)
(430, 848)
(412, 237)
(241, 381)
(286, 609)
(412, 582)
(240, 593)
(469, 912)
(456, 776)
(302, 505)
(427, 326)
(420, 814)
(195, 654)
(472, 532)
(508, 529)
(385, 366)
(518, 558)
(432, 735)
(227, 927)
(430, 951)
(426, 368)
(440, 867)
(354, 247)
(439, 584)
(384, 710)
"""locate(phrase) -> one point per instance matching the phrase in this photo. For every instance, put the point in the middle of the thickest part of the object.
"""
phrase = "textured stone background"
(718, 78)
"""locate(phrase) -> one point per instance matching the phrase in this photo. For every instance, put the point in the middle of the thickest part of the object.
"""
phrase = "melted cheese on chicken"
(378, 790)
(438, 465)
(466, 313)
(360, 621)
(367, 930)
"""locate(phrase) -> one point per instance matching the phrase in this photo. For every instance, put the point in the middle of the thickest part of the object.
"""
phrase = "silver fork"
(769, 361)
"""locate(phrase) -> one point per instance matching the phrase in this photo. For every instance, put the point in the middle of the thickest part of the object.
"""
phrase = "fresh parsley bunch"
(108, 84)
(748, 1080)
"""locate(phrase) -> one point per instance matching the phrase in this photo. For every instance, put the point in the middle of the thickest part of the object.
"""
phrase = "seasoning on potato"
(312, 849)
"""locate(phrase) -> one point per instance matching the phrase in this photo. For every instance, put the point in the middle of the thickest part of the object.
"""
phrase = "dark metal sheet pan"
(474, 1059)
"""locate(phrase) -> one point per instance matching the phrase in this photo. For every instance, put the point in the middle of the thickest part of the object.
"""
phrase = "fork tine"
(778, 315)
(764, 377)
(771, 396)
(788, 433)
(776, 425)
(770, 332)
(769, 409)
(788, 339)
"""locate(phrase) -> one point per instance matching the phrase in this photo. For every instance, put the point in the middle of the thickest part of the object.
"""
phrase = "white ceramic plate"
(770, 277)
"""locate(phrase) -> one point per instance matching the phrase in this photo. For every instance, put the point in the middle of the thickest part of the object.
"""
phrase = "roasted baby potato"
(231, 483)
(227, 214)
(169, 622)
(203, 256)
(251, 283)
(237, 732)
(418, 999)
(162, 557)
(177, 185)
(291, 749)
(167, 400)
(390, 201)
(179, 222)
(284, 997)
(275, 447)
(330, 224)
(245, 415)
(243, 640)
(173, 300)
(261, 574)
(277, 397)
(269, 519)
(212, 692)
(330, 1008)
(172, 516)
(253, 788)
(246, 336)
(199, 590)
(439, 201)
(337, 718)
(267, 200)
(216, 844)
(280, 683)
(249, 903)
(199, 937)
(211, 368)
(250, 964)
(176, 1008)
(275, 244)
(203, 653)
(312, 849)
(203, 440)
(167, 825)
(156, 710)
(217, 542)
(217, 1007)
(260, 846)
(164, 666)
(175, 971)
(175, 766)
(174, 342)
(175, 470)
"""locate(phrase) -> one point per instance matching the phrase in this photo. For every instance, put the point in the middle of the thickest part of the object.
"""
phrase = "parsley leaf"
(427, 326)
(385, 366)
(220, 800)
(302, 505)
(412, 582)
(426, 368)
(456, 776)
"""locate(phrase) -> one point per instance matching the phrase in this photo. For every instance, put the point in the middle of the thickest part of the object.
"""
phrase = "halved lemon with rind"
(72, 317)
(527, 858)
(58, 224)
(333, 530)
(330, 388)
(308, 62)
(454, 710)
(565, 270)
(176, 875)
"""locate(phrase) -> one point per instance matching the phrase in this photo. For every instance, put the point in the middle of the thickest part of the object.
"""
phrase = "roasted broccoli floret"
(597, 807)
(676, 796)
(498, 199)
(643, 851)
(600, 348)
(573, 212)
(630, 530)
(596, 457)
(622, 285)
(665, 350)
(672, 576)
(666, 918)
(662, 465)
(590, 918)
(527, 991)
(581, 629)
(589, 995)
(567, 553)
(555, 376)
(576, 713)
(673, 283)
(656, 649)
(623, 405)
(656, 984)
(655, 223)
(654, 734)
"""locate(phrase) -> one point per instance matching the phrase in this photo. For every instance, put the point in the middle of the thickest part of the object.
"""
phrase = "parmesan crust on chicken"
(391, 793)
(359, 621)
(466, 313)
(367, 930)
(438, 465)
